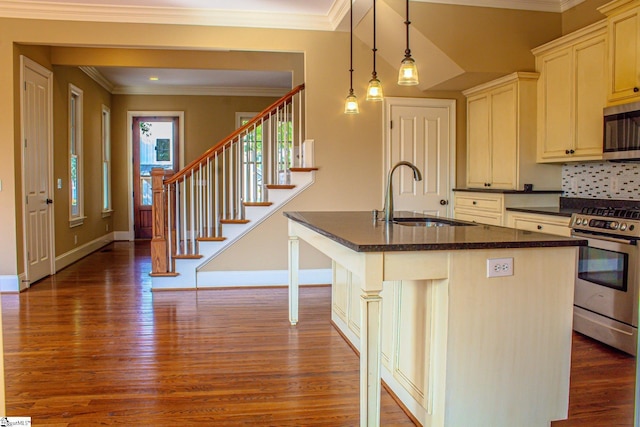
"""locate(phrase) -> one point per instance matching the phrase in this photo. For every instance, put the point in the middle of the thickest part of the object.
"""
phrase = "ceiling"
(322, 15)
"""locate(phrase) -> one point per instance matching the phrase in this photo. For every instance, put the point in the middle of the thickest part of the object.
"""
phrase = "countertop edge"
(408, 247)
(498, 191)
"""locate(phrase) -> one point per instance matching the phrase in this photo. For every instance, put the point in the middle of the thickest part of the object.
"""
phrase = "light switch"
(59, 183)
(0, 185)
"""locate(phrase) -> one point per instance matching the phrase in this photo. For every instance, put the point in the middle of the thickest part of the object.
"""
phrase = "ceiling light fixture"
(408, 73)
(351, 103)
(154, 78)
(374, 91)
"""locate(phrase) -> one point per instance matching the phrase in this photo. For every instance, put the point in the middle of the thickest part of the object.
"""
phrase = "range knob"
(613, 225)
(623, 226)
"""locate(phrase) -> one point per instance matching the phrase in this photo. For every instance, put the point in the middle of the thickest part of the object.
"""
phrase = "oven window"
(606, 268)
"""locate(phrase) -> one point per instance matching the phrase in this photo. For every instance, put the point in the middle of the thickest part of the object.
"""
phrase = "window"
(106, 161)
(76, 197)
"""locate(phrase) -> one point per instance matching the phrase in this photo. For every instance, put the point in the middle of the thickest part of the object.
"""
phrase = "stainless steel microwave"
(622, 132)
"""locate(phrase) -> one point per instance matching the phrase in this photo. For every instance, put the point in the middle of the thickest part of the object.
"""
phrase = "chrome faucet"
(388, 201)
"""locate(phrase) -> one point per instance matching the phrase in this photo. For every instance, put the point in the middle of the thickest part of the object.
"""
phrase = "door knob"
(444, 202)
(49, 201)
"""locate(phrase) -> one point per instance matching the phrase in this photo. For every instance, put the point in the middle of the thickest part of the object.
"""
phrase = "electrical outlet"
(498, 267)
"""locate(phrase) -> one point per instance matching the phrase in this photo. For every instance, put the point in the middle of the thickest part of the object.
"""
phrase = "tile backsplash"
(601, 180)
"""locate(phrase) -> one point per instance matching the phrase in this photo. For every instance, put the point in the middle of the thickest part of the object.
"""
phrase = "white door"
(36, 133)
(421, 131)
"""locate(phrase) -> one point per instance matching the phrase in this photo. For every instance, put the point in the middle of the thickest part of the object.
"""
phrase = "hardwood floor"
(93, 346)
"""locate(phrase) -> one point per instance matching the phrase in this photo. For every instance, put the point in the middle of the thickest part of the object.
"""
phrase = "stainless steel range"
(607, 281)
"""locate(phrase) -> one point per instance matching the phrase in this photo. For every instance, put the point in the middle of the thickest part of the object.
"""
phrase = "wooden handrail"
(218, 147)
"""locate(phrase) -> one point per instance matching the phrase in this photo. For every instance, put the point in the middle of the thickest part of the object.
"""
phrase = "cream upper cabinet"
(572, 95)
(623, 82)
(501, 136)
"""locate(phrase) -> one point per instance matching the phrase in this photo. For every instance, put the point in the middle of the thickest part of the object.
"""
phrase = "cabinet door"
(590, 86)
(503, 136)
(554, 111)
(478, 148)
(624, 32)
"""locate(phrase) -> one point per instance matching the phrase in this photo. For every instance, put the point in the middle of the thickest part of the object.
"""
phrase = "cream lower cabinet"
(571, 95)
(407, 307)
(489, 208)
(550, 224)
(623, 82)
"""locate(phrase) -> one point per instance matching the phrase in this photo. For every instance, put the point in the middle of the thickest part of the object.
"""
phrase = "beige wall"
(583, 14)
(94, 97)
(485, 42)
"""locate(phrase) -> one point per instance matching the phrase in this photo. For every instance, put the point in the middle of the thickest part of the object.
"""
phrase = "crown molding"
(535, 5)
(98, 78)
(163, 15)
(200, 91)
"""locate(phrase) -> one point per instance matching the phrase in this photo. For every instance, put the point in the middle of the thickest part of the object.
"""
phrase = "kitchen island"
(457, 347)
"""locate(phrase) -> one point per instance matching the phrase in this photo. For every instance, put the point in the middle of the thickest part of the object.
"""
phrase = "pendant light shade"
(351, 103)
(374, 91)
(408, 73)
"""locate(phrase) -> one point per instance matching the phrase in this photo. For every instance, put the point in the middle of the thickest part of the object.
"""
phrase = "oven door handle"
(603, 237)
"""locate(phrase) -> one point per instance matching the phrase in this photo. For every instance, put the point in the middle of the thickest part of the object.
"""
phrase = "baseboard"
(122, 236)
(10, 283)
(226, 279)
(80, 252)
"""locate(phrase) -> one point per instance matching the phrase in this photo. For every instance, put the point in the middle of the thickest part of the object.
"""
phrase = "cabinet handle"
(636, 89)
(566, 151)
(474, 202)
(539, 227)
(572, 151)
(488, 184)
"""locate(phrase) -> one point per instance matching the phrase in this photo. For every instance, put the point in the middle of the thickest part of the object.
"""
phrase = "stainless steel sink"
(429, 222)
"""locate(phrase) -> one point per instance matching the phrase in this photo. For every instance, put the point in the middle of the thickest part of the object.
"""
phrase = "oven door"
(607, 278)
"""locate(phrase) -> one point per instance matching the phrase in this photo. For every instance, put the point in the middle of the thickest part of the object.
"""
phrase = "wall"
(601, 180)
(583, 14)
(94, 97)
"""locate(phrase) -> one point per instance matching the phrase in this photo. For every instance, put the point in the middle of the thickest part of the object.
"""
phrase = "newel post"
(159, 249)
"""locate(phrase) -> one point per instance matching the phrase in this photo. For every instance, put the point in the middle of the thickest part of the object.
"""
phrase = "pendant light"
(351, 103)
(374, 91)
(408, 74)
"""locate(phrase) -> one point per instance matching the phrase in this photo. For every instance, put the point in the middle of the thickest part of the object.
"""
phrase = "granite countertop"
(547, 210)
(359, 232)
(498, 191)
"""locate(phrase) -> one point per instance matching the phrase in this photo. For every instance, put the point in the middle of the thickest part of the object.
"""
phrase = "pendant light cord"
(374, 74)
(351, 48)
(407, 52)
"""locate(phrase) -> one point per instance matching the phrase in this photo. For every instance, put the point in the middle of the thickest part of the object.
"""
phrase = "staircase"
(225, 193)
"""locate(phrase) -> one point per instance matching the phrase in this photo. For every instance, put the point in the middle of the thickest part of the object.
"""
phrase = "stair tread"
(211, 239)
(257, 203)
(169, 274)
(303, 169)
(234, 221)
(280, 186)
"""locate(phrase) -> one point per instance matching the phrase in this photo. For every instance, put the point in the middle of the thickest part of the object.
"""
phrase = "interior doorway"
(421, 131)
(156, 142)
(37, 170)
